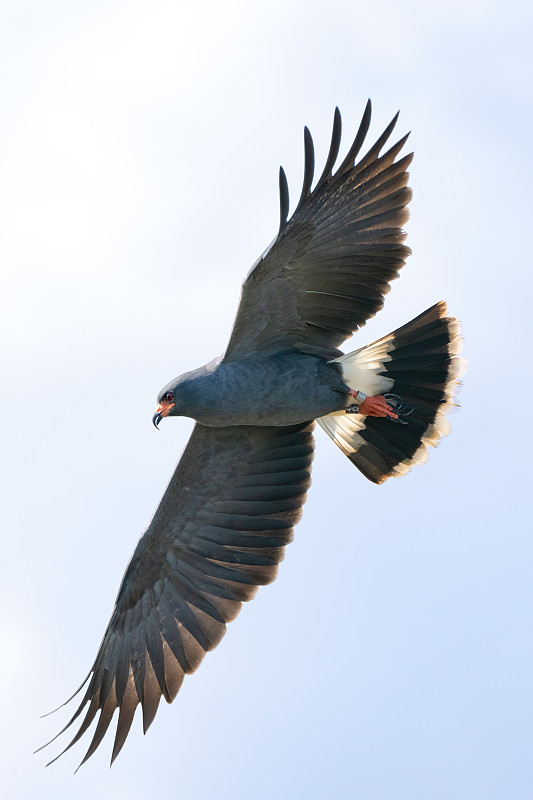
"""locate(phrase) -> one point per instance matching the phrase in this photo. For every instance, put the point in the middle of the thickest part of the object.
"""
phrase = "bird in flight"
(230, 508)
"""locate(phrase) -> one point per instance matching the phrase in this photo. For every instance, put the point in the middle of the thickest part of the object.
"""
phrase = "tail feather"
(420, 363)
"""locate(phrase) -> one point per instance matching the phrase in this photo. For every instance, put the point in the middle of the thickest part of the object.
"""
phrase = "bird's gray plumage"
(276, 393)
(229, 510)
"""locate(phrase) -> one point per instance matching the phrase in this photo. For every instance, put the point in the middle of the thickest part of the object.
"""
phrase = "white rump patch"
(360, 369)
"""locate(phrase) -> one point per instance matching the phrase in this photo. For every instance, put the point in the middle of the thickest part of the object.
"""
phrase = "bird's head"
(180, 397)
(166, 404)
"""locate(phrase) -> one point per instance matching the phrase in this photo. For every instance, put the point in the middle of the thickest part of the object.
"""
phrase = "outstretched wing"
(330, 265)
(219, 533)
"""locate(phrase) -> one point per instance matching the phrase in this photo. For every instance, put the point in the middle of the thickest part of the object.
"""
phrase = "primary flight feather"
(238, 490)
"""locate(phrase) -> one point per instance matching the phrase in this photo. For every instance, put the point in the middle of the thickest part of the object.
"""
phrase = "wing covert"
(218, 533)
(331, 264)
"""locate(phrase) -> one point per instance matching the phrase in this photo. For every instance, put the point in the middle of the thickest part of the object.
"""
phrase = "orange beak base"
(163, 410)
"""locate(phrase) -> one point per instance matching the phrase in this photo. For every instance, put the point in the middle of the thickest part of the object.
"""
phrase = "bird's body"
(230, 508)
(281, 389)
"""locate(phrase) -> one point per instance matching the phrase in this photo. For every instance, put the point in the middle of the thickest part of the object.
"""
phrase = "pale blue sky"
(140, 143)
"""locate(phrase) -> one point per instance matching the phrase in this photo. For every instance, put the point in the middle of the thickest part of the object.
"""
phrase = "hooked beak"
(162, 410)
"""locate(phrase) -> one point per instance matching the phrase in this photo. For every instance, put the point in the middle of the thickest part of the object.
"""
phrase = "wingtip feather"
(309, 167)
(72, 696)
(283, 199)
(333, 149)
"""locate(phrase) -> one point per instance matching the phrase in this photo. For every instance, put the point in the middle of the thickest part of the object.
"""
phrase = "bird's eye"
(169, 397)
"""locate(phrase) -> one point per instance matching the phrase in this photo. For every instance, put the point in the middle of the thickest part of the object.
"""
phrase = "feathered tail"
(418, 364)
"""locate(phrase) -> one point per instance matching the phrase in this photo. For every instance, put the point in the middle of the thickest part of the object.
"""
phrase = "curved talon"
(401, 408)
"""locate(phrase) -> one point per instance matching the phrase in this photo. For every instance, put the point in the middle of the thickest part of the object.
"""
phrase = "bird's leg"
(375, 406)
